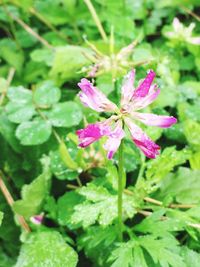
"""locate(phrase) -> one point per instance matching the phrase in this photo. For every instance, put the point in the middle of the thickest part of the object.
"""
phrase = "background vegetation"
(46, 46)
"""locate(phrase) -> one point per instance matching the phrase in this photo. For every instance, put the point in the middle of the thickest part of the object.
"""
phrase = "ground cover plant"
(99, 133)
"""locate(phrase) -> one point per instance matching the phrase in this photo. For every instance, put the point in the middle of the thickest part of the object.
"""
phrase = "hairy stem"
(10, 201)
(9, 80)
(160, 203)
(187, 10)
(96, 19)
(149, 213)
(120, 190)
(30, 31)
(47, 23)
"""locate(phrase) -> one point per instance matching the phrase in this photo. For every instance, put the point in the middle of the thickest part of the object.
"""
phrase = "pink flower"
(182, 33)
(132, 100)
(93, 98)
(37, 219)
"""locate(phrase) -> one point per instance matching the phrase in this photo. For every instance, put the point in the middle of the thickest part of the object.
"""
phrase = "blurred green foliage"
(46, 46)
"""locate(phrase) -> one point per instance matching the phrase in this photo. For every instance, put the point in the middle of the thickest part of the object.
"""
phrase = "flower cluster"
(132, 100)
(115, 63)
(180, 32)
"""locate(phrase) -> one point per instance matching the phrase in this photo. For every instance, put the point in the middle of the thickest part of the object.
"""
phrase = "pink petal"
(92, 133)
(176, 24)
(142, 141)
(143, 89)
(114, 139)
(141, 102)
(154, 120)
(93, 98)
(195, 40)
(37, 219)
(127, 87)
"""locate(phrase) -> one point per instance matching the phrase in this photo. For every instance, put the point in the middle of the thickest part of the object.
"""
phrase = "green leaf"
(163, 250)
(59, 168)
(66, 114)
(192, 133)
(46, 94)
(19, 94)
(19, 112)
(25, 4)
(157, 169)
(184, 186)
(56, 14)
(25, 39)
(105, 83)
(142, 52)
(5, 259)
(10, 53)
(20, 108)
(190, 89)
(128, 255)
(34, 194)
(195, 161)
(100, 206)
(45, 249)
(175, 133)
(130, 152)
(33, 132)
(68, 61)
(158, 227)
(187, 111)
(138, 258)
(7, 129)
(191, 258)
(98, 242)
(123, 255)
(65, 205)
(44, 55)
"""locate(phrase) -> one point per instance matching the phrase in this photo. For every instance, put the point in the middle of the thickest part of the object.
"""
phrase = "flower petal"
(142, 141)
(141, 102)
(194, 40)
(92, 133)
(114, 139)
(37, 219)
(127, 88)
(154, 120)
(93, 98)
(177, 25)
(143, 88)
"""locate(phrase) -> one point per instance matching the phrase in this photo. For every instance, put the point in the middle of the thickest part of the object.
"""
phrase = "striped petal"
(93, 98)
(114, 140)
(142, 141)
(154, 120)
(143, 88)
(127, 88)
(142, 102)
(92, 133)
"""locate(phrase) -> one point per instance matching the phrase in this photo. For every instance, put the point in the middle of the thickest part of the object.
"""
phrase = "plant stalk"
(96, 19)
(30, 31)
(120, 190)
(10, 201)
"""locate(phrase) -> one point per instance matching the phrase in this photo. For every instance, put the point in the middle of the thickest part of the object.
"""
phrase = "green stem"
(120, 190)
(96, 19)
(142, 168)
